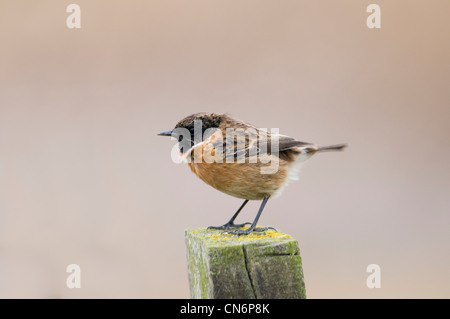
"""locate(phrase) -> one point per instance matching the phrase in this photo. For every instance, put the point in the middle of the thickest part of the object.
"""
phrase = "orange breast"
(242, 180)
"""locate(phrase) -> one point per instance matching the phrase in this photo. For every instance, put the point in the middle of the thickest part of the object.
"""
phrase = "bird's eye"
(180, 138)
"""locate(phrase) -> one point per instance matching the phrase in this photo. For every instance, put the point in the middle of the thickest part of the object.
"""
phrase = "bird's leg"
(253, 226)
(230, 223)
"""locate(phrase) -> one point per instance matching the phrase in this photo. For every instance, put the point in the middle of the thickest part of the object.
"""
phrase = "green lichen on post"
(276, 270)
(259, 265)
(228, 273)
(198, 268)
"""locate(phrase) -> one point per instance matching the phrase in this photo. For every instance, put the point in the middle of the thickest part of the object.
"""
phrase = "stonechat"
(241, 160)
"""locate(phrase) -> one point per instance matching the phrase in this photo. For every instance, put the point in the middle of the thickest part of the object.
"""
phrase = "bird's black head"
(191, 130)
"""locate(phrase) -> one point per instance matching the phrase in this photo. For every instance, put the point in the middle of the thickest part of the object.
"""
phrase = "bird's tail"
(337, 147)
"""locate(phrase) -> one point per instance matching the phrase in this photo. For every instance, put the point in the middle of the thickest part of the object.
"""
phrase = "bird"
(241, 160)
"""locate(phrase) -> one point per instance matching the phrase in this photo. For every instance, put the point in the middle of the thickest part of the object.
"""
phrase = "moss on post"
(259, 265)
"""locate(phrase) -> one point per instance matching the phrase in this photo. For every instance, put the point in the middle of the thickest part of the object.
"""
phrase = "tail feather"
(337, 147)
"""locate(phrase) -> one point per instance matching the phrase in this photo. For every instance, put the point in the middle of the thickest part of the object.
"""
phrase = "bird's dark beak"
(166, 133)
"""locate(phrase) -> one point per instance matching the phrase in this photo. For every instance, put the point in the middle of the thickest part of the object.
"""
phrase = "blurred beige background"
(84, 179)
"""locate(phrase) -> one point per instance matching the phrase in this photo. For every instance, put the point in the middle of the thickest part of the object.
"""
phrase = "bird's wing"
(240, 145)
(285, 143)
(258, 142)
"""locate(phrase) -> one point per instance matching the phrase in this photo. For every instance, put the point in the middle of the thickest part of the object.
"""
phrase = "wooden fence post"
(259, 265)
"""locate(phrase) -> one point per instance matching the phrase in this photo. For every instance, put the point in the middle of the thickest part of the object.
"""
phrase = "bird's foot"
(248, 230)
(228, 226)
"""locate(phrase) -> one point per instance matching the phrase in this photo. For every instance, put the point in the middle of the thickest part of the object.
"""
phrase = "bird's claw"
(248, 231)
(228, 226)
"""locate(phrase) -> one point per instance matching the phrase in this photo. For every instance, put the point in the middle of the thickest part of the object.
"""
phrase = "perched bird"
(241, 160)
